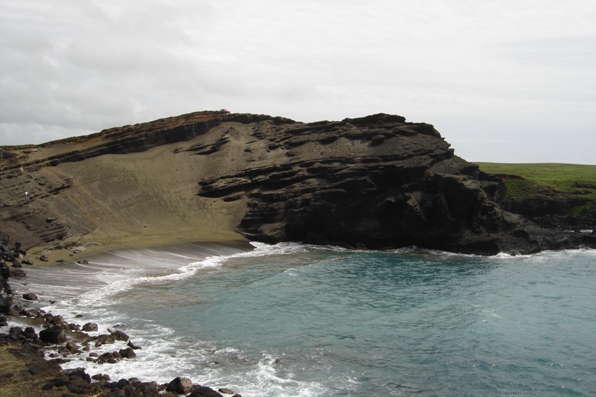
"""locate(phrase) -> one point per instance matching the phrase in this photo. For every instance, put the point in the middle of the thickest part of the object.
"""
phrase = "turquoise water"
(292, 320)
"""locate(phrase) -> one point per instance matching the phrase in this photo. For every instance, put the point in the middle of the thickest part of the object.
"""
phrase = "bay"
(297, 320)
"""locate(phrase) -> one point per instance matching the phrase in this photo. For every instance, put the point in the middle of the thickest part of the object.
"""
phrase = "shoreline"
(93, 245)
(16, 351)
(25, 360)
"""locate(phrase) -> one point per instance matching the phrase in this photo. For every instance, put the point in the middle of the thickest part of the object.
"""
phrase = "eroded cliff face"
(376, 181)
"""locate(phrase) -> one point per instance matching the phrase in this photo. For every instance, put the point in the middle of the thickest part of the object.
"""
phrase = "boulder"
(109, 357)
(17, 273)
(16, 333)
(119, 335)
(30, 333)
(54, 335)
(132, 345)
(180, 385)
(5, 287)
(203, 391)
(101, 378)
(72, 348)
(104, 339)
(127, 353)
(30, 296)
(4, 270)
(5, 304)
(77, 373)
(88, 327)
(74, 327)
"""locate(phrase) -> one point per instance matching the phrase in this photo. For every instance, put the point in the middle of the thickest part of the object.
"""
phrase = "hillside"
(376, 181)
(553, 195)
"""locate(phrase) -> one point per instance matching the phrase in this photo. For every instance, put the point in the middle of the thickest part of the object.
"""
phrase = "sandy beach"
(24, 371)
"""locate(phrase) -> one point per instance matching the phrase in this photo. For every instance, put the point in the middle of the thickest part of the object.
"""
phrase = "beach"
(27, 368)
(300, 320)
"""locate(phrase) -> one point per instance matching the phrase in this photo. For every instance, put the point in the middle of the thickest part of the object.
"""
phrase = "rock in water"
(88, 327)
(54, 334)
(30, 296)
(127, 353)
(180, 386)
(203, 391)
(119, 335)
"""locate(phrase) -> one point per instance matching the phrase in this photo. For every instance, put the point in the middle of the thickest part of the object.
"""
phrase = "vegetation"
(552, 194)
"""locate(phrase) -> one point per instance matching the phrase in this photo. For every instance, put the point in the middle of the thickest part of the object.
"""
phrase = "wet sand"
(18, 360)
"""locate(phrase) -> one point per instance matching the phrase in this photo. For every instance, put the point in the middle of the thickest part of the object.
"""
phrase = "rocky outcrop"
(376, 181)
(395, 184)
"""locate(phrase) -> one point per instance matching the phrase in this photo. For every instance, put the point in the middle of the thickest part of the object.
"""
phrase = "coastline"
(98, 243)
(20, 356)
(165, 345)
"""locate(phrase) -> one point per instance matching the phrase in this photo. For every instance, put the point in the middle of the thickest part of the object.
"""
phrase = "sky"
(503, 81)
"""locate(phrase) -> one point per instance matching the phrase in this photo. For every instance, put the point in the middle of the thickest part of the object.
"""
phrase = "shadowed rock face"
(376, 181)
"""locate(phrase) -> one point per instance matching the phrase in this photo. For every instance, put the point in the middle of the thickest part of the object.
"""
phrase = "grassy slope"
(571, 188)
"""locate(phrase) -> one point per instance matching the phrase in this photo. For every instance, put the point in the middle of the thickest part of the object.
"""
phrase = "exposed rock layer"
(376, 181)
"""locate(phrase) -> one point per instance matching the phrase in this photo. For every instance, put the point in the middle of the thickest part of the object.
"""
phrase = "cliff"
(376, 182)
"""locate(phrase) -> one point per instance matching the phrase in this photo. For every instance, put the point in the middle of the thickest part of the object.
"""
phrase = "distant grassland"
(565, 192)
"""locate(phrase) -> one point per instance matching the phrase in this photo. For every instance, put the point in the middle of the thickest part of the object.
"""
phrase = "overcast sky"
(506, 81)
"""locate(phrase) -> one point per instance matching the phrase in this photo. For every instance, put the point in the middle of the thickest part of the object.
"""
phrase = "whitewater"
(300, 320)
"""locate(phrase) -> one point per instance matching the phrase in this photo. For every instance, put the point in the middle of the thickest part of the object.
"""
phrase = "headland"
(371, 182)
(376, 182)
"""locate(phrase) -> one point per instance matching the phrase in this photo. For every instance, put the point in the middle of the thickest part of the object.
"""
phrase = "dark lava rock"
(104, 339)
(203, 391)
(127, 353)
(54, 334)
(30, 296)
(30, 333)
(5, 287)
(4, 270)
(101, 377)
(88, 327)
(17, 273)
(5, 304)
(119, 335)
(132, 345)
(109, 358)
(180, 385)
(16, 333)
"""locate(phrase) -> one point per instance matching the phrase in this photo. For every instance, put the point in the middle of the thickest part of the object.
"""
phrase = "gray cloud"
(513, 71)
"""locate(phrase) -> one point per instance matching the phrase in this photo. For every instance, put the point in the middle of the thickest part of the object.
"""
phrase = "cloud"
(70, 67)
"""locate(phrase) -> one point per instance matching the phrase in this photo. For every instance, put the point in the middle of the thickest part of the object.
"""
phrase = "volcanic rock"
(30, 296)
(375, 181)
(5, 304)
(54, 334)
(88, 327)
(119, 335)
(180, 385)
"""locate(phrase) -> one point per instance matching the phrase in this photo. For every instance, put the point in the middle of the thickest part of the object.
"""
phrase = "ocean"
(299, 320)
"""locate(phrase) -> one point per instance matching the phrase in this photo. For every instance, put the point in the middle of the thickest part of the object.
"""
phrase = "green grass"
(570, 189)
(543, 171)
